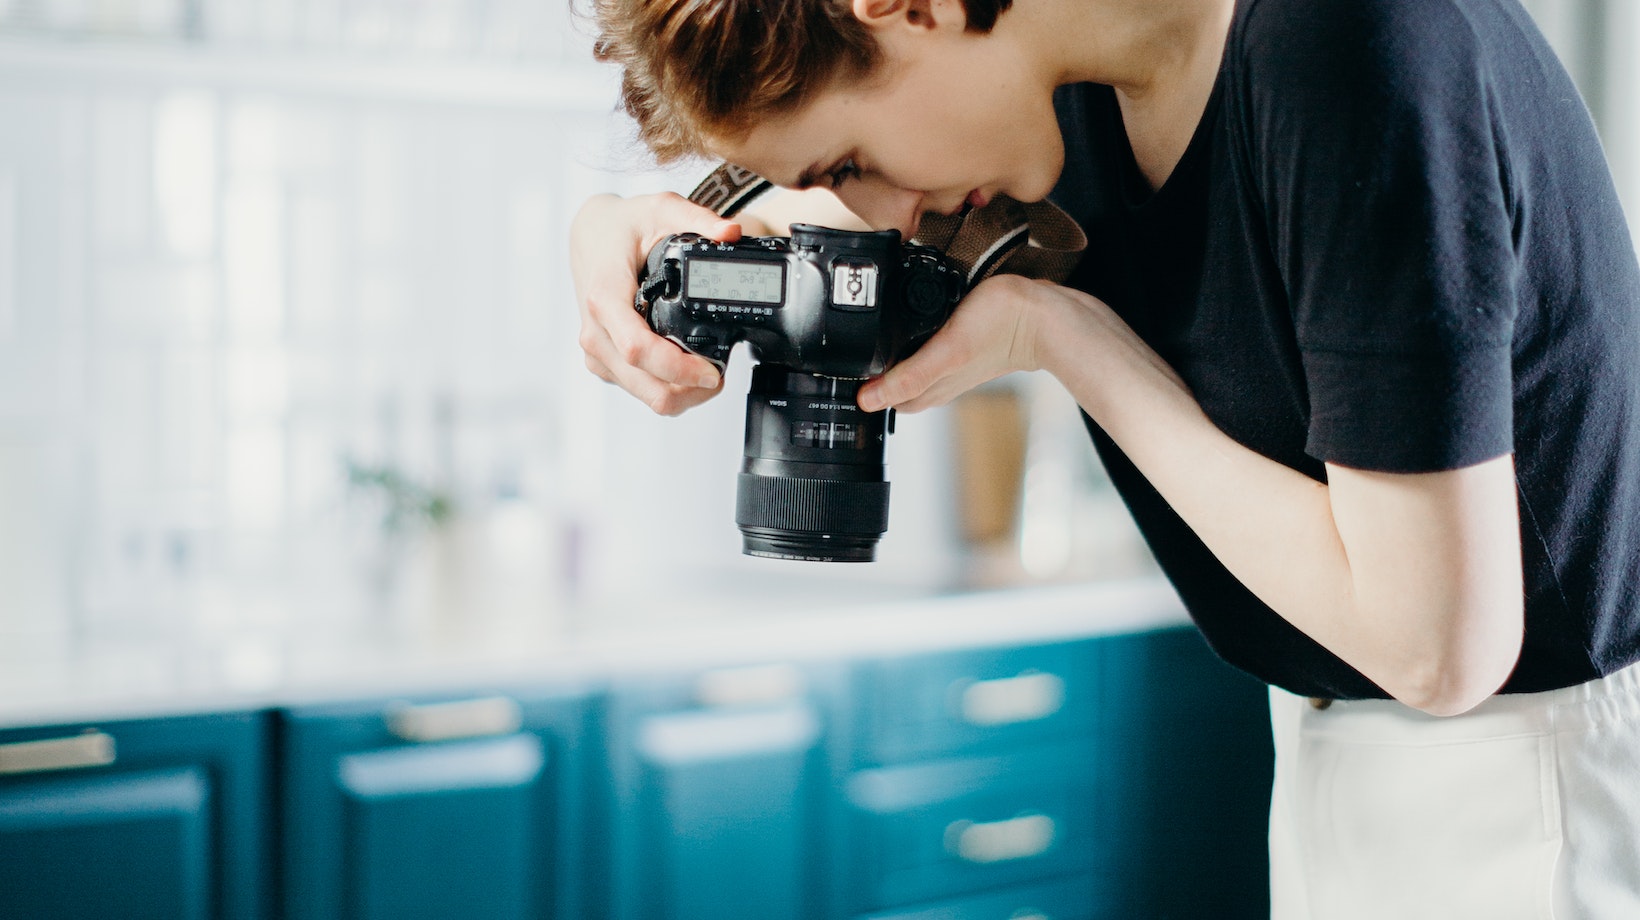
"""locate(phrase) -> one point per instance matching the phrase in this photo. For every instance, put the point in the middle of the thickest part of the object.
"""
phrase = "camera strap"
(1037, 239)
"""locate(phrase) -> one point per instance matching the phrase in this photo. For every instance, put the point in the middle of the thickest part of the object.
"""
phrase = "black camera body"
(822, 311)
(830, 302)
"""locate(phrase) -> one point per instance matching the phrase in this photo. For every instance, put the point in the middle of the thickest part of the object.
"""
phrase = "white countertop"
(42, 684)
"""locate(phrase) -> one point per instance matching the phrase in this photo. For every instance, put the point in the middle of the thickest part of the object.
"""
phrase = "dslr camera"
(822, 311)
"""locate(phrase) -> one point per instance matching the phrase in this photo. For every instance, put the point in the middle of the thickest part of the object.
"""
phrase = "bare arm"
(1414, 580)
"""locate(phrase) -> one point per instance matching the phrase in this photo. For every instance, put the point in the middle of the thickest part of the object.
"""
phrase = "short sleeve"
(1376, 148)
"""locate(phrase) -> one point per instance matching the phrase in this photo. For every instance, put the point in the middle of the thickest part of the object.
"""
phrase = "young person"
(1357, 337)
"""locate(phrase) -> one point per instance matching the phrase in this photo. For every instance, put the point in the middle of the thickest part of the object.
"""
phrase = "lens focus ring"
(812, 505)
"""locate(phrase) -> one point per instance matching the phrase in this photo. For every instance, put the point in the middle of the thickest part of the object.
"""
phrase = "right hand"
(609, 241)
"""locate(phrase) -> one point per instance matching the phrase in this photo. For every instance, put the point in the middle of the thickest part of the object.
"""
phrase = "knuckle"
(671, 202)
(905, 385)
(1010, 284)
(589, 340)
(632, 351)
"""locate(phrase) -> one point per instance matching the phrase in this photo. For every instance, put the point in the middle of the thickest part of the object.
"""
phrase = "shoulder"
(1388, 24)
(1391, 43)
(1371, 72)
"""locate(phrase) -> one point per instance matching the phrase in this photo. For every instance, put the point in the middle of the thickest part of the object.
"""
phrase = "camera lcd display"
(729, 279)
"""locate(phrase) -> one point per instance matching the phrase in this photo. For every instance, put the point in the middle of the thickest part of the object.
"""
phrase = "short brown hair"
(695, 67)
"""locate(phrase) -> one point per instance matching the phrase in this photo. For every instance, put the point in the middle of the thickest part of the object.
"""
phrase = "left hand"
(992, 332)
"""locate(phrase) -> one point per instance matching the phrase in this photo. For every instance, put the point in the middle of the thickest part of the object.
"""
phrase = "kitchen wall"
(287, 342)
(287, 346)
(283, 281)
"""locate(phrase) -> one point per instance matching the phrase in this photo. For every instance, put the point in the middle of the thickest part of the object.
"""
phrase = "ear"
(922, 15)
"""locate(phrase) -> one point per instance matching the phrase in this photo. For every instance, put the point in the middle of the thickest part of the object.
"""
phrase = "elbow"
(1450, 699)
(1454, 683)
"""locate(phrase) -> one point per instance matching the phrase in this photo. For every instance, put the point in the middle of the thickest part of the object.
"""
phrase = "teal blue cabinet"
(1094, 779)
(1068, 899)
(931, 830)
(1119, 776)
(1190, 763)
(722, 794)
(978, 786)
(988, 700)
(470, 807)
(161, 819)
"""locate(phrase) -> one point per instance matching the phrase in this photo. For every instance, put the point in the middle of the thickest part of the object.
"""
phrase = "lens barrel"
(812, 486)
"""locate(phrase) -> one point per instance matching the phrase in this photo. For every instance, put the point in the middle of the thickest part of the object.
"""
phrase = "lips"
(975, 199)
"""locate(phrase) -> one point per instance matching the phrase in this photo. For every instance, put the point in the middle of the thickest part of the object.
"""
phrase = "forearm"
(1379, 573)
(1270, 525)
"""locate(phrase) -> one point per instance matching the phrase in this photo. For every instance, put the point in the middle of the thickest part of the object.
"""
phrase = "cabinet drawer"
(721, 783)
(989, 700)
(1070, 899)
(153, 818)
(944, 828)
(469, 806)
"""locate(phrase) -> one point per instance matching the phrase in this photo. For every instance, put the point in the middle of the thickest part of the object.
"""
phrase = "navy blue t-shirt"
(1392, 244)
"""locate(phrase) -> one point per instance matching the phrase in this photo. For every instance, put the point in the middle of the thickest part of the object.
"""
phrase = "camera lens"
(812, 485)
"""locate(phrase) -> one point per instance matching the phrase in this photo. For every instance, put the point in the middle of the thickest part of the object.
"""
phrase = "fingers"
(988, 336)
(610, 240)
(618, 336)
(661, 397)
(898, 387)
(939, 372)
(670, 213)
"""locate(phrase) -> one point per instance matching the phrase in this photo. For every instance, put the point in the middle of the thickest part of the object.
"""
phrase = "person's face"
(950, 118)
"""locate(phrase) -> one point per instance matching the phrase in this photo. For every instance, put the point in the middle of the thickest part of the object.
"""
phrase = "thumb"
(900, 384)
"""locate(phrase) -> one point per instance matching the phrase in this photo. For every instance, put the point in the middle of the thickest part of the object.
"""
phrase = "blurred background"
(288, 349)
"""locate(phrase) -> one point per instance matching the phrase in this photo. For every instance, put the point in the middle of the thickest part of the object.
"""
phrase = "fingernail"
(706, 381)
(869, 401)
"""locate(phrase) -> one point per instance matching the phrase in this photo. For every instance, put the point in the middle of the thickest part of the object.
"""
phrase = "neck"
(1135, 46)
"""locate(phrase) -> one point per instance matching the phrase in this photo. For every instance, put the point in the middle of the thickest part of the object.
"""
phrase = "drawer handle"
(751, 685)
(1010, 700)
(479, 718)
(1000, 841)
(89, 749)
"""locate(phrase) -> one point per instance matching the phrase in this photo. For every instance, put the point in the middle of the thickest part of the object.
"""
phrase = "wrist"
(1102, 361)
(1062, 335)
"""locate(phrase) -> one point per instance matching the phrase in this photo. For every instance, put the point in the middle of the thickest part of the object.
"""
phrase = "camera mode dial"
(932, 285)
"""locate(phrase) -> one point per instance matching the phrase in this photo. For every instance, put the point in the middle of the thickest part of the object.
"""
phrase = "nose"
(882, 205)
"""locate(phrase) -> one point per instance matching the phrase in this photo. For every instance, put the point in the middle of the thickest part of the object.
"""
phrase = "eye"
(843, 172)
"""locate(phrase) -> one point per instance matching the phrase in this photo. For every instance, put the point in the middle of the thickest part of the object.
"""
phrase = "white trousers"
(1526, 807)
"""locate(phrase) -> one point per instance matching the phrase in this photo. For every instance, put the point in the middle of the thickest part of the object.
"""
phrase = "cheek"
(930, 156)
(882, 206)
